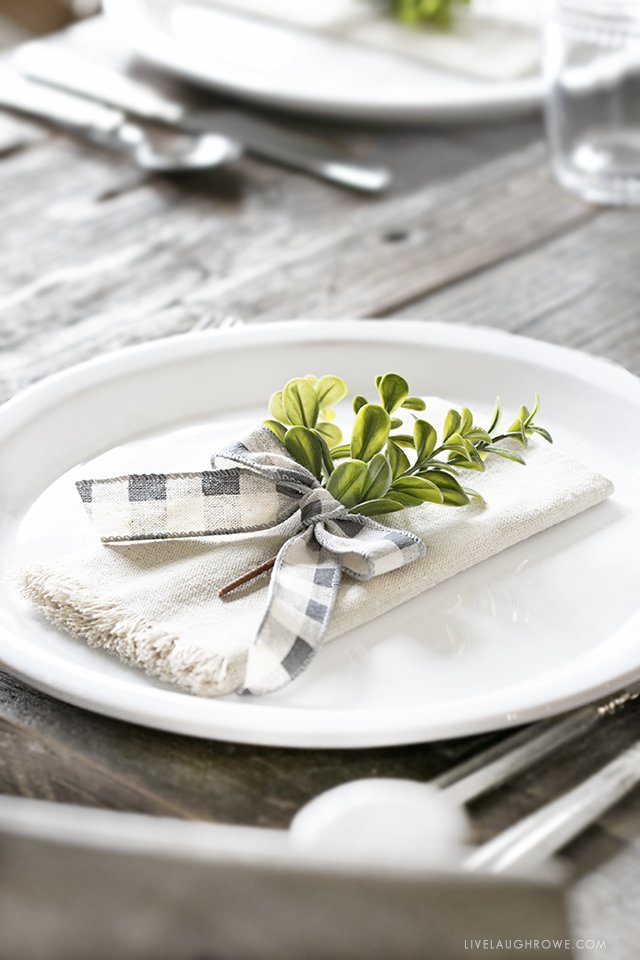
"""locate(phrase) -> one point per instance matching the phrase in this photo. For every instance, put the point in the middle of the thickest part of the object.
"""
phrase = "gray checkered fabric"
(256, 485)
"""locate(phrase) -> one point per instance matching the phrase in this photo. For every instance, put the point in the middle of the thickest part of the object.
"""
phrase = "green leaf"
(370, 431)
(543, 433)
(311, 378)
(375, 508)
(469, 464)
(276, 408)
(516, 432)
(276, 427)
(330, 390)
(472, 453)
(466, 421)
(300, 402)
(331, 433)
(536, 407)
(425, 438)
(404, 440)
(327, 460)
(416, 489)
(378, 379)
(339, 453)
(327, 414)
(403, 499)
(477, 435)
(453, 498)
(359, 402)
(507, 454)
(497, 416)
(437, 465)
(453, 494)
(451, 425)
(461, 447)
(442, 479)
(348, 482)
(394, 390)
(398, 460)
(396, 423)
(414, 403)
(379, 478)
(305, 446)
(458, 452)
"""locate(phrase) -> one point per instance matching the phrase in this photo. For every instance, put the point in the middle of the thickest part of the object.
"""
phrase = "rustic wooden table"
(96, 255)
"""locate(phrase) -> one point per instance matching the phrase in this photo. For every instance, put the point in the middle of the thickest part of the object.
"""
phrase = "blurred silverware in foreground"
(47, 64)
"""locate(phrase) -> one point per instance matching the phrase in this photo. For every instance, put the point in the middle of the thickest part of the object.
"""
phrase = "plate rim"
(512, 98)
(369, 727)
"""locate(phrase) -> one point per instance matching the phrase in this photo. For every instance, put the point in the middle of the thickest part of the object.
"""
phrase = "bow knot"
(318, 506)
(256, 485)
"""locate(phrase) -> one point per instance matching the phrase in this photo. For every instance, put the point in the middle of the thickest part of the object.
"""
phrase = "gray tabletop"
(95, 255)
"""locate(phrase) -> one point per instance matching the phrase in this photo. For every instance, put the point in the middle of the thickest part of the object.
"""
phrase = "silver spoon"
(167, 151)
(152, 148)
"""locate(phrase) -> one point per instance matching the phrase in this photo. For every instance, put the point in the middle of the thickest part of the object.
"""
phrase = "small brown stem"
(246, 577)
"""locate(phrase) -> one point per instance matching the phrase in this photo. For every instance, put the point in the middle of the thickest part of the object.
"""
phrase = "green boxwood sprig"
(438, 13)
(375, 474)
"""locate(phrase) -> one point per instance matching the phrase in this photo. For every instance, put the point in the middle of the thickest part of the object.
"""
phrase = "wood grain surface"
(95, 255)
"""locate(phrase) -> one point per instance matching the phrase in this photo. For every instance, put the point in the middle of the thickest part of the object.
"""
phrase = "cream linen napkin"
(494, 40)
(155, 604)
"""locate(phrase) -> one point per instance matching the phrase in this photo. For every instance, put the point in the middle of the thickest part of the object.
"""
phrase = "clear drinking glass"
(592, 72)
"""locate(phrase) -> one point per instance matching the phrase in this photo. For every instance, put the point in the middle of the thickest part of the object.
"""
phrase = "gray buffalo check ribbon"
(255, 485)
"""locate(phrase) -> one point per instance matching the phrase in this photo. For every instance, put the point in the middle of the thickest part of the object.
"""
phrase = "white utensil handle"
(60, 68)
(499, 763)
(535, 838)
(61, 108)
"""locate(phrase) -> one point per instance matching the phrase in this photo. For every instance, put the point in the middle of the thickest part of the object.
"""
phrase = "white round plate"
(293, 70)
(544, 626)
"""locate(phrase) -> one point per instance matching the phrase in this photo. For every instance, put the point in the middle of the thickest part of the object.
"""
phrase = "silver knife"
(57, 67)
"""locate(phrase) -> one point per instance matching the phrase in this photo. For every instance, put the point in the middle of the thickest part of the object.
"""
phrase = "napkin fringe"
(108, 624)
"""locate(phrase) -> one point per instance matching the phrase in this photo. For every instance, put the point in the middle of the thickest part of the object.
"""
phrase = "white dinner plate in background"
(546, 625)
(272, 64)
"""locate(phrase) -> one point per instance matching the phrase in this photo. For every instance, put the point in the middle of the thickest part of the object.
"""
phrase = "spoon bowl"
(167, 151)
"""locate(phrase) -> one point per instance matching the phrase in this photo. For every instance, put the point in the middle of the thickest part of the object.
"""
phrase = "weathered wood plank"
(52, 750)
(17, 134)
(11, 33)
(387, 256)
(83, 275)
(581, 290)
(38, 17)
(37, 767)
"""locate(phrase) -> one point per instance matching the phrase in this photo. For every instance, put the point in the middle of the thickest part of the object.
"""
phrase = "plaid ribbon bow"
(255, 485)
